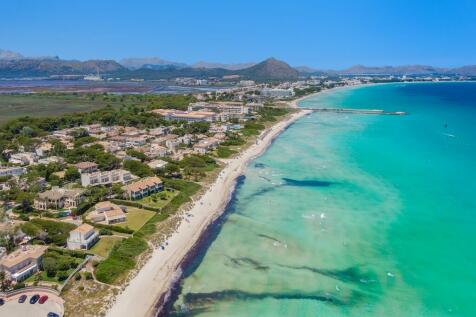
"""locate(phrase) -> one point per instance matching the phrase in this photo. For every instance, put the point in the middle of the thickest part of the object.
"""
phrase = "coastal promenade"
(154, 280)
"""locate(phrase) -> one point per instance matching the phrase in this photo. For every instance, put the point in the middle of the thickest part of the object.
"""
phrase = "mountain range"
(15, 65)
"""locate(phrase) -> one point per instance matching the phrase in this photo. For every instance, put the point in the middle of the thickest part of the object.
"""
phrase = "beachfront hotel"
(189, 116)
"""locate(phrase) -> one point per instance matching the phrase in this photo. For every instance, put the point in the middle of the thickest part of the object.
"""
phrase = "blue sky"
(324, 34)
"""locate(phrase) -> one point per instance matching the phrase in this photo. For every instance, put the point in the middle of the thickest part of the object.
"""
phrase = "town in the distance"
(101, 162)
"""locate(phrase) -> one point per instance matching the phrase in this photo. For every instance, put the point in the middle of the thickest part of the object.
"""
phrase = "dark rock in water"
(306, 183)
(265, 178)
(233, 295)
(260, 165)
(265, 236)
(348, 275)
(249, 262)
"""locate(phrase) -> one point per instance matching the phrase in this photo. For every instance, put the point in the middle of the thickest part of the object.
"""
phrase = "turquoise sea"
(351, 215)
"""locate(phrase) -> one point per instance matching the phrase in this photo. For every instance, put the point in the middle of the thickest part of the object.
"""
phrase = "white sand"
(295, 103)
(156, 277)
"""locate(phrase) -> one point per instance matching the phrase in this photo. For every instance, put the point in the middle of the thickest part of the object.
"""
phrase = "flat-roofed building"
(155, 164)
(189, 116)
(14, 171)
(277, 93)
(106, 177)
(143, 187)
(23, 158)
(44, 149)
(83, 237)
(226, 110)
(206, 145)
(22, 263)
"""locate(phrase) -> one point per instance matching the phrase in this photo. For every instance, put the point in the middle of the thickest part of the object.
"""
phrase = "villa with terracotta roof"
(83, 237)
(143, 188)
(86, 167)
(22, 263)
(58, 198)
(108, 213)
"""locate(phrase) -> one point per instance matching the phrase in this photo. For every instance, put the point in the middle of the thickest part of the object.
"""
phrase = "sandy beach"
(294, 103)
(156, 277)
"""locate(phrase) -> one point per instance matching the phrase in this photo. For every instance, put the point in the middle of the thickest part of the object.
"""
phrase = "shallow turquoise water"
(352, 215)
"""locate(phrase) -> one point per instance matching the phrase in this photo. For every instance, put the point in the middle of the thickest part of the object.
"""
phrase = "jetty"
(356, 111)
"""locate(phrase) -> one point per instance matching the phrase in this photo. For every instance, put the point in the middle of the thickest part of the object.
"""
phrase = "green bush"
(121, 259)
(138, 168)
(224, 152)
(105, 232)
(24, 217)
(132, 203)
(62, 276)
(111, 227)
(139, 155)
(73, 253)
(187, 189)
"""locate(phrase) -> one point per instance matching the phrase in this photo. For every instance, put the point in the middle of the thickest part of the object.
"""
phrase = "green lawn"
(104, 246)
(155, 200)
(136, 218)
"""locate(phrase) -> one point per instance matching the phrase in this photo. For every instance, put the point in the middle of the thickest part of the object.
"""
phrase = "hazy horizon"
(317, 34)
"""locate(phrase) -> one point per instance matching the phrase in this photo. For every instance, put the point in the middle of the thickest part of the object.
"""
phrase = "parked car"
(2, 301)
(34, 299)
(22, 298)
(43, 299)
(51, 314)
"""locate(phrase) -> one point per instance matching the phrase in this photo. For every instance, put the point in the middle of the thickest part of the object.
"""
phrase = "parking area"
(12, 308)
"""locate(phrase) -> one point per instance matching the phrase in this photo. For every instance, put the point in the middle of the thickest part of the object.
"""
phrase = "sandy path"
(157, 275)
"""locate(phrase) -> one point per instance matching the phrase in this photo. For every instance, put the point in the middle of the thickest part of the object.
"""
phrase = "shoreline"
(295, 103)
(163, 269)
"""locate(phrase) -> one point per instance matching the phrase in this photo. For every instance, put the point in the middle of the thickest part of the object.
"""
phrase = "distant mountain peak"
(150, 62)
(237, 66)
(9, 55)
(271, 68)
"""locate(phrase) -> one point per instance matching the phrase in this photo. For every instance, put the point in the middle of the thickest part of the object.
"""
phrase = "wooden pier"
(357, 111)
